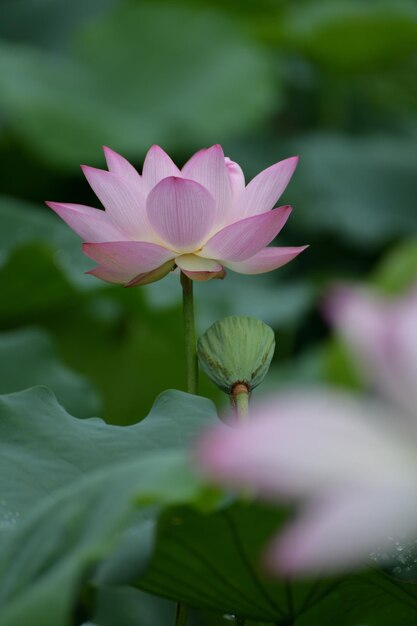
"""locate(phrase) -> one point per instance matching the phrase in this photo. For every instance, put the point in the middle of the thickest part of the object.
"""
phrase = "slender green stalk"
(189, 334)
(192, 381)
(180, 614)
(240, 402)
(242, 407)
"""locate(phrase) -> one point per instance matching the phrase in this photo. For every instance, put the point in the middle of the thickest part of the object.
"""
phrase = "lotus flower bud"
(236, 353)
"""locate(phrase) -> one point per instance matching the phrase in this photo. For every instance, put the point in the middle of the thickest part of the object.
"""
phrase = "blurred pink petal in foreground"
(201, 219)
(351, 462)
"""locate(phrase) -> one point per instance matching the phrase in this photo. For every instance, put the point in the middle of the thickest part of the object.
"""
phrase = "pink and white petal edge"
(157, 166)
(90, 224)
(132, 257)
(208, 167)
(236, 177)
(120, 166)
(122, 201)
(243, 239)
(301, 444)
(339, 532)
(199, 268)
(381, 334)
(153, 276)
(111, 275)
(120, 277)
(204, 276)
(264, 191)
(266, 260)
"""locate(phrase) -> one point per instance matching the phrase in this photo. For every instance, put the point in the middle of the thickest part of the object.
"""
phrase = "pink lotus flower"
(351, 461)
(201, 218)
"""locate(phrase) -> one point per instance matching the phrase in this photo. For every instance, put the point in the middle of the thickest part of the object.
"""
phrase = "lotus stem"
(180, 614)
(192, 381)
(239, 398)
(189, 334)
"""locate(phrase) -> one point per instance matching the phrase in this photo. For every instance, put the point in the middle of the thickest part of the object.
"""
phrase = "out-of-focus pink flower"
(352, 462)
(201, 218)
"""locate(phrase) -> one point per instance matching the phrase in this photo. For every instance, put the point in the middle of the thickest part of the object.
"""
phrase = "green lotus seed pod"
(236, 350)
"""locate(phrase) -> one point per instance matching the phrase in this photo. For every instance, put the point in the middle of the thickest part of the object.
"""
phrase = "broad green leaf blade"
(370, 597)
(42, 447)
(77, 525)
(124, 606)
(71, 487)
(214, 562)
(28, 358)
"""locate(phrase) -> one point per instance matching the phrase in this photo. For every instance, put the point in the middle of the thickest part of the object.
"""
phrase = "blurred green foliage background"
(330, 80)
